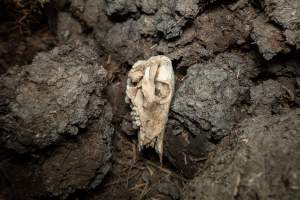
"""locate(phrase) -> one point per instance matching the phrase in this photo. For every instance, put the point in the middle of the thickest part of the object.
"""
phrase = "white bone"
(150, 89)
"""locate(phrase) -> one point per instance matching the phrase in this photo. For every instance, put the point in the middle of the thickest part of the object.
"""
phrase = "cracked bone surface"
(150, 88)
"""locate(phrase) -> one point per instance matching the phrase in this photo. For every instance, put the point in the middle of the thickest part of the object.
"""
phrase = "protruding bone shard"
(150, 88)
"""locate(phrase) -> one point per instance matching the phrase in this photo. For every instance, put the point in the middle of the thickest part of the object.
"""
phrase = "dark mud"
(25, 29)
(232, 133)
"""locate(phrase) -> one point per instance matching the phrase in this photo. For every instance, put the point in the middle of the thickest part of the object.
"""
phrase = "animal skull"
(150, 88)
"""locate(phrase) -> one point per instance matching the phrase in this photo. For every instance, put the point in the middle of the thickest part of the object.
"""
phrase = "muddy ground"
(234, 123)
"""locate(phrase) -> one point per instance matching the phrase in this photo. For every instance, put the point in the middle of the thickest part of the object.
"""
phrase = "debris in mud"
(135, 177)
(28, 15)
(25, 29)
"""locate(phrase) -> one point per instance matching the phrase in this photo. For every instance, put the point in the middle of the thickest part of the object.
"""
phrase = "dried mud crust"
(263, 164)
(55, 124)
(56, 96)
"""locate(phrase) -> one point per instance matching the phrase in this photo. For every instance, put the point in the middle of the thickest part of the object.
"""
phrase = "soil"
(24, 31)
(233, 128)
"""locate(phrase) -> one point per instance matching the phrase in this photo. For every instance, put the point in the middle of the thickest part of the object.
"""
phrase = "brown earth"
(233, 129)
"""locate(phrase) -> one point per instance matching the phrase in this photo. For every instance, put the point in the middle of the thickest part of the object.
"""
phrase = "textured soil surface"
(234, 123)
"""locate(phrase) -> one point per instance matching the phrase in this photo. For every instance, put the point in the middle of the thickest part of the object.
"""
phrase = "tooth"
(133, 114)
(158, 68)
(134, 126)
(137, 118)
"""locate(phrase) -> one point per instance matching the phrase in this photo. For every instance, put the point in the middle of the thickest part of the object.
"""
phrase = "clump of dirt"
(260, 164)
(55, 158)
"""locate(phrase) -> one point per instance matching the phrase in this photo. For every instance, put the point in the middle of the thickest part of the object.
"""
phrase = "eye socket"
(162, 90)
(133, 83)
(135, 78)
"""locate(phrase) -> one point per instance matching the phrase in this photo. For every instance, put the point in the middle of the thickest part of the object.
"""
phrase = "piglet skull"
(150, 88)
